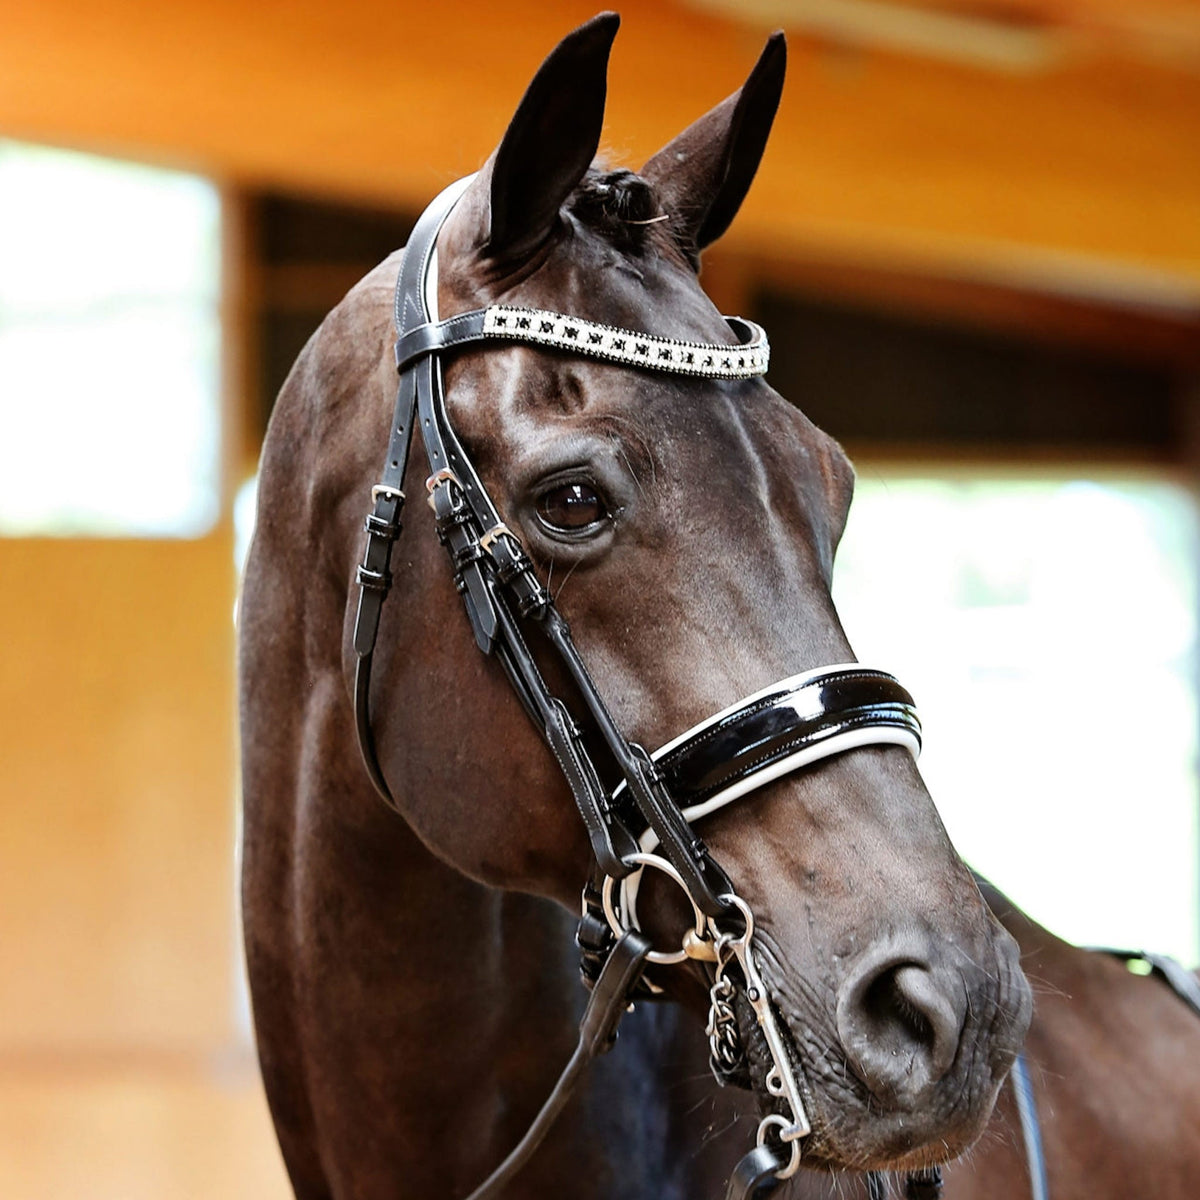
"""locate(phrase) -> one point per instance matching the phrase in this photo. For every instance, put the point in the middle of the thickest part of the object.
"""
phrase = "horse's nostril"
(900, 1020)
(891, 1000)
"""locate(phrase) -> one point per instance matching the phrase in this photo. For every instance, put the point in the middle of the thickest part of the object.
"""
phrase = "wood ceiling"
(1077, 172)
(1014, 35)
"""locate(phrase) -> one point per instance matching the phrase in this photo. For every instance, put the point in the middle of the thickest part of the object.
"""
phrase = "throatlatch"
(645, 821)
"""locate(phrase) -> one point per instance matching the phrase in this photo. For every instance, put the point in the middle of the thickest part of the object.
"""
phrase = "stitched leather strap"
(702, 876)
(383, 522)
(597, 1033)
(439, 335)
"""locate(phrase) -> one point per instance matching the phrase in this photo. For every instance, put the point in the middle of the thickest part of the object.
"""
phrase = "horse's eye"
(571, 507)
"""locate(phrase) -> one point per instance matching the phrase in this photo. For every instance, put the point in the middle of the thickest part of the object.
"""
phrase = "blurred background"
(975, 241)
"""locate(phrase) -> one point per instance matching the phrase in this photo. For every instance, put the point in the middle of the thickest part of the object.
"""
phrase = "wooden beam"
(1081, 178)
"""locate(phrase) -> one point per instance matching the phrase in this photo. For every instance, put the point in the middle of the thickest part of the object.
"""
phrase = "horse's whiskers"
(566, 577)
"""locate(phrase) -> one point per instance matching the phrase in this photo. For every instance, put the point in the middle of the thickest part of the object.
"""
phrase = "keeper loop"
(381, 527)
(440, 476)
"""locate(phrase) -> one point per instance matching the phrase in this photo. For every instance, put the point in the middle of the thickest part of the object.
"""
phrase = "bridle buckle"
(385, 489)
(440, 476)
(487, 540)
(435, 481)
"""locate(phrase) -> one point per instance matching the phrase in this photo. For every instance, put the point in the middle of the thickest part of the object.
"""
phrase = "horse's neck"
(411, 1022)
(645, 1121)
(450, 1008)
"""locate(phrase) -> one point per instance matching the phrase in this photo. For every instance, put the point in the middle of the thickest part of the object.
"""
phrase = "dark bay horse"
(414, 981)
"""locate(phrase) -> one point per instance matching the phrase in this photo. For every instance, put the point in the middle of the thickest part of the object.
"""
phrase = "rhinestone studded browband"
(749, 357)
(631, 348)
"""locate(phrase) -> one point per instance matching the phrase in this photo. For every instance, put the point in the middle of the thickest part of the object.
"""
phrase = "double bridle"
(645, 820)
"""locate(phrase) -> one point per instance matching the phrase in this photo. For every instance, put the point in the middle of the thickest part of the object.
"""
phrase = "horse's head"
(687, 527)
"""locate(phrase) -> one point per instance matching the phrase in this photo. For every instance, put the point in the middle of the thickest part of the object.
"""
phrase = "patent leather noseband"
(791, 724)
(646, 818)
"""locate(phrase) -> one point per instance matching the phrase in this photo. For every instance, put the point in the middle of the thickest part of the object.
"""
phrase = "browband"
(628, 347)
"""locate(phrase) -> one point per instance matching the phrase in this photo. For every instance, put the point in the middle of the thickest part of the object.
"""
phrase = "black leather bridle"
(644, 820)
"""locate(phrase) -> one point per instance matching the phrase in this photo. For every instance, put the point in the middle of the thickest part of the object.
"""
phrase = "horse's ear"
(550, 141)
(703, 175)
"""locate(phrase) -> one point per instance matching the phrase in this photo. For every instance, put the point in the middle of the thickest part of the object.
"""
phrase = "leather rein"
(644, 822)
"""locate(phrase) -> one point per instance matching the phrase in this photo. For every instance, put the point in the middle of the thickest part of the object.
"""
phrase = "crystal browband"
(630, 348)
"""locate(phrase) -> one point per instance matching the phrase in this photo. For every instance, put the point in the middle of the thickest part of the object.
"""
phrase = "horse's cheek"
(503, 828)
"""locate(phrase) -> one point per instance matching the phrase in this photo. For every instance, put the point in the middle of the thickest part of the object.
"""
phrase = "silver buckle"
(496, 531)
(383, 489)
(445, 475)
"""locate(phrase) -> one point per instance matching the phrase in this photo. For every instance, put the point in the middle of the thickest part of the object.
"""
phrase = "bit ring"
(615, 918)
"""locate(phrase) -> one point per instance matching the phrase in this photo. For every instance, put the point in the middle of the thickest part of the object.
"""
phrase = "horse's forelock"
(621, 206)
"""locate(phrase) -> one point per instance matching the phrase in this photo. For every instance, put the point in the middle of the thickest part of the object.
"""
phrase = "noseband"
(645, 820)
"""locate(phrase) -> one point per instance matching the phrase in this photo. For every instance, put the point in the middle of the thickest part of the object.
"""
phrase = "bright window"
(1047, 628)
(109, 347)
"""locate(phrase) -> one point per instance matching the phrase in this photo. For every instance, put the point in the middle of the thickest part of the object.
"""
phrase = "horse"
(603, 450)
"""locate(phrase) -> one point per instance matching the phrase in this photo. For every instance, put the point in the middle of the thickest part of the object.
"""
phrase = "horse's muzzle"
(930, 1034)
(900, 1018)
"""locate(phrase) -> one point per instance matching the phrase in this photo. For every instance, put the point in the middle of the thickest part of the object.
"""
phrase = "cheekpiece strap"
(382, 524)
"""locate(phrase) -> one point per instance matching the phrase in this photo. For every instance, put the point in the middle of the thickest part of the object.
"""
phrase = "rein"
(645, 821)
